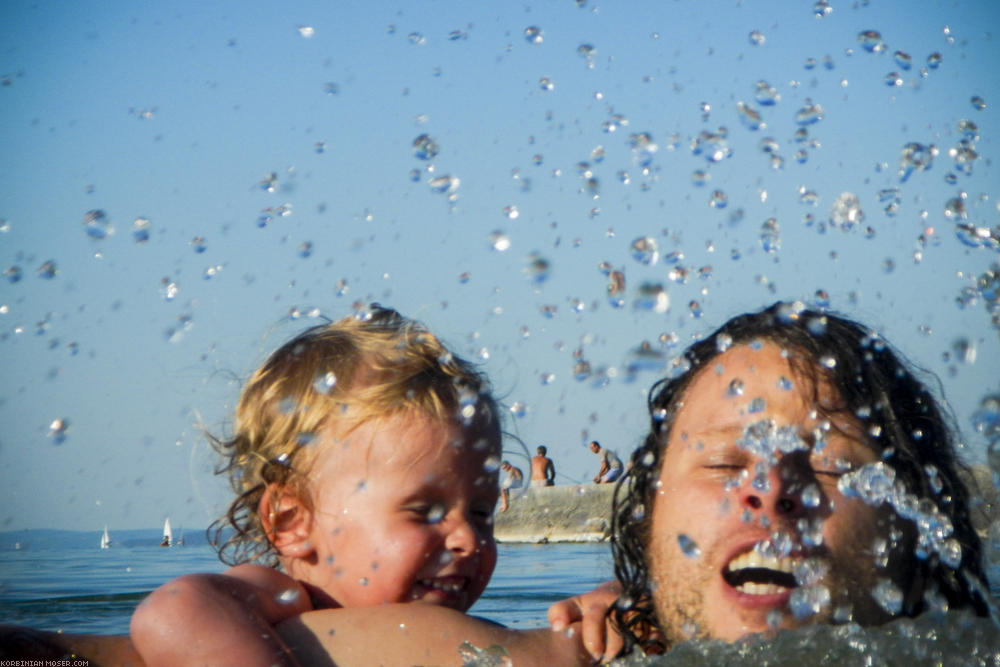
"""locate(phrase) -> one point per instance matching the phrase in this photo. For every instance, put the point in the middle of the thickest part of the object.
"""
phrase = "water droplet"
(305, 249)
(537, 268)
(846, 212)
(533, 35)
(325, 382)
(915, 157)
(903, 59)
(168, 289)
(306, 31)
(645, 250)
(140, 230)
(97, 225)
(809, 114)
(978, 103)
(888, 595)
(893, 79)
(688, 546)
(48, 270)
(425, 147)
(871, 41)
(700, 177)
(329, 88)
(735, 387)
(416, 39)
(749, 116)
(546, 83)
(766, 94)
(806, 601)
(499, 241)
(934, 60)
(444, 185)
(652, 297)
(518, 409)
(757, 38)
(547, 378)
(770, 236)
(718, 199)
(58, 429)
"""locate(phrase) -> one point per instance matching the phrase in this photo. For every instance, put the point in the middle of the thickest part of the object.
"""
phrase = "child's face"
(403, 511)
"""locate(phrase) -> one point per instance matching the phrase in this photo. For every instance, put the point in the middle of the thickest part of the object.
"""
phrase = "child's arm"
(418, 633)
(599, 636)
(219, 619)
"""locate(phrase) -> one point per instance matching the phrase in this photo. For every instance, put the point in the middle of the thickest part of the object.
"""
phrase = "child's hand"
(223, 619)
(599, 637)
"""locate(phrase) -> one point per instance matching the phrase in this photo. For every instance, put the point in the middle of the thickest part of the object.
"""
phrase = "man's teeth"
(446, 586)
(754, 560)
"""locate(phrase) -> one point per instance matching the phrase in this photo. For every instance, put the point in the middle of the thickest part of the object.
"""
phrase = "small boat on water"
(168, 534)
(105, 538)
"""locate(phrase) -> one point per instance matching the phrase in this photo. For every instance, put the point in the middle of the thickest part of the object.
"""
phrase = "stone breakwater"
(577, 513)
(582, 512)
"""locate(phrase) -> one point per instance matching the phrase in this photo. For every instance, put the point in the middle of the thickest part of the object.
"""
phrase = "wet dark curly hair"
(913, 434)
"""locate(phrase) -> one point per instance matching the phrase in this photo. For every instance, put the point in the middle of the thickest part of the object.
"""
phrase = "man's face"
(748, 529)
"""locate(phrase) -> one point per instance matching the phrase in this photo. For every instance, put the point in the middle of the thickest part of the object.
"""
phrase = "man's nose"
(773, 491)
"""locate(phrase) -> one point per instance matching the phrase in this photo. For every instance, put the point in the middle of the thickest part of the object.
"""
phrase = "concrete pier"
(577, 513)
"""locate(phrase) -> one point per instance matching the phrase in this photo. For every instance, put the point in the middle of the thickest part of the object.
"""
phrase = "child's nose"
(461, 537)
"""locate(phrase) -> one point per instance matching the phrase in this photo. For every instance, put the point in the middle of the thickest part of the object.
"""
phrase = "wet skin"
(401, 511)
(707, 497)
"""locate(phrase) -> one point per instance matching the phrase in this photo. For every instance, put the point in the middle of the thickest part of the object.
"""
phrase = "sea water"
(54, 582)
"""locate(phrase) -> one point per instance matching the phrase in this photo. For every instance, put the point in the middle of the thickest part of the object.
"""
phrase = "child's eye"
(429, 512)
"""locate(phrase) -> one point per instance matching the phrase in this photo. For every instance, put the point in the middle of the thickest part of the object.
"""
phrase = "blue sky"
(178, 112)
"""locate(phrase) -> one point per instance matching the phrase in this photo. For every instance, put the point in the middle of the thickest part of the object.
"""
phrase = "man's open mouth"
(754, 573)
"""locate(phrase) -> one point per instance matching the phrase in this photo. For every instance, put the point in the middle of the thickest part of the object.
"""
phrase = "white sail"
(105, 538)
(168, 534)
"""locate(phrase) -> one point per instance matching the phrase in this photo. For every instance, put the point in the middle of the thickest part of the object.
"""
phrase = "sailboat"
(105, 538)
(168, 534)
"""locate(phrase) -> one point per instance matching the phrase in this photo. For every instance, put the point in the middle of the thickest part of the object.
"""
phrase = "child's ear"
(287, 521)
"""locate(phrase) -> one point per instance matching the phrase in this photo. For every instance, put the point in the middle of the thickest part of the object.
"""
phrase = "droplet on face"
(735, 387)
(806, 601)
(688, 546)
(288, 596)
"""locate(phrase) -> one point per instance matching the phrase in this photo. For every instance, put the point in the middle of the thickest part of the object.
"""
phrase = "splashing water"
(846, 213)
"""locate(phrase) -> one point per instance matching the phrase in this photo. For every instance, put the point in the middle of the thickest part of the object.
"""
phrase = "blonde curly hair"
(373, 364)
